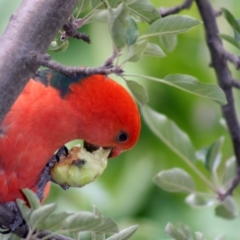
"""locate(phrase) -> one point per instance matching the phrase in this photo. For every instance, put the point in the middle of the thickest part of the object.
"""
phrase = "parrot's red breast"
(53, 110)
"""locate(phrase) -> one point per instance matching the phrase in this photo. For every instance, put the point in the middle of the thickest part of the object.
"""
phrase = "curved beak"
(91, 148)
(114, 153)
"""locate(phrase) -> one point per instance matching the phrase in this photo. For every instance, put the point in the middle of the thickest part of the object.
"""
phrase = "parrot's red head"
(111, 117)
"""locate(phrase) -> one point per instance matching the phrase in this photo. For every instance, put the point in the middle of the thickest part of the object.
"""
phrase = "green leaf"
(185, 230)
(75, 235)
(98, 236)
(138, 91)
(89, 222)
(227, 209)
(231, 20)
(229, 171)
(202, 153)
(99, 4)
(131, 32)
(236, 34)
(145, 10)
(104, 4)
(25, 210)
(231, 40)
(223, 123)
(41, 214)
(54, 222)
(97, 212)
(102, 16)
(11, 237)
(82, 5)
(124, 234)
(173, 24)
(168, 42)
(175, 180)
(174, 233)
(192, 85)
(196, 201)
(199, 236)
(118, 23)
(169, 133)
(32, 198)
(213, 156)
(154, 50)
(135, 52)
(95, 235)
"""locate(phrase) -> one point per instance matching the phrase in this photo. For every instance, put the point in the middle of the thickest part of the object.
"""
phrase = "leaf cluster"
(43, 217)
(178, 180)
(184, 233)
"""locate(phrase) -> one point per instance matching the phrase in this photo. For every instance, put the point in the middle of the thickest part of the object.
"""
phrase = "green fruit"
(80, 167)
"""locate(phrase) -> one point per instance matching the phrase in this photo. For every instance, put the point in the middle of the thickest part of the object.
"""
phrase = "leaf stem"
(199, 173)
(205, 194)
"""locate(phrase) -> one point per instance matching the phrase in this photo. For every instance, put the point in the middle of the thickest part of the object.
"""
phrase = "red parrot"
(54, 109)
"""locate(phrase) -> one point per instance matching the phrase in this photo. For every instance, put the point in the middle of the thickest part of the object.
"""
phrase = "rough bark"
(31, 28)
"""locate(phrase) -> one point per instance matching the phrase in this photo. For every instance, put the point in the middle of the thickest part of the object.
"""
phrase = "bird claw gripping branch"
(46, 176)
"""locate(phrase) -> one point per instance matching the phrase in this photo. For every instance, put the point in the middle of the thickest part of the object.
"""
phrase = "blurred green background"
(126, 192)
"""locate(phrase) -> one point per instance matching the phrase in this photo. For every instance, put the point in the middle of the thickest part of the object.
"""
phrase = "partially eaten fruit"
(80, 167)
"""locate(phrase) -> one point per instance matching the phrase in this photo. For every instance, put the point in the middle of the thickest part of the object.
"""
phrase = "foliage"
(137, 31)
(44, 217)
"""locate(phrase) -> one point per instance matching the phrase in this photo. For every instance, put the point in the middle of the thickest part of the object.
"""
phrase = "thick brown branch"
(31, 28)
(185, 5)
(225, 79)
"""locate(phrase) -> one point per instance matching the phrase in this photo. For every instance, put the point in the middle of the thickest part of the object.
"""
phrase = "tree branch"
(225, 79)
(105, 69)
(71, 31)
(185, 5)
(236, 83)
(229, 56)
(31, 28)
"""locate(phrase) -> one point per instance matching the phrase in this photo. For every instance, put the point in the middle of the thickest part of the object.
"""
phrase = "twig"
(225, 79)
(235, 182)
(229, 56)
(236, 83)
(44, 60)
(185, 5)
(110, 60)
(71, 31)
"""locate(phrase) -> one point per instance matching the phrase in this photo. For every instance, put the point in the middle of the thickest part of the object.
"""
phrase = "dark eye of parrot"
(122, 137)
